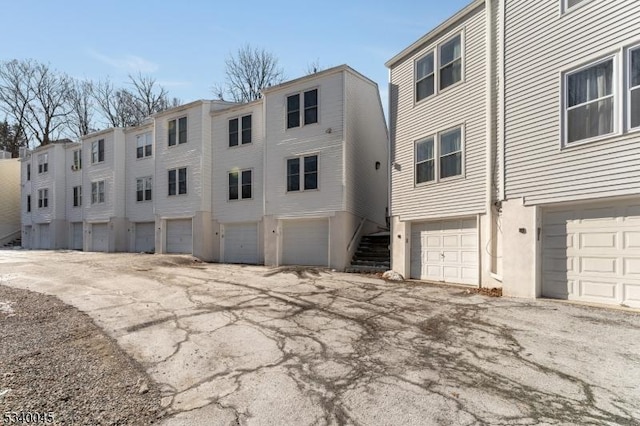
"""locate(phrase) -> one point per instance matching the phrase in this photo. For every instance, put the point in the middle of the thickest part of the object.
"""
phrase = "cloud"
(128, 63)
(173, 83)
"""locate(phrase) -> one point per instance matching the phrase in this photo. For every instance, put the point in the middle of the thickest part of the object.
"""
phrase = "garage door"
(305, 242)
(241, 243)
(179, 236)
(445, 251)
(145, 237)
(26, 239)
(592, 254)
(99, 237)
(45, 237)
(76, 236)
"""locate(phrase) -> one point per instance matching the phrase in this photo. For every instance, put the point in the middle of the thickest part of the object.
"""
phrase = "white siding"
(138, 168)
(73, 178)
(324, 138)
(366, 144)
(54, 180)
(540, 44)
(26, 217)
(10, 196)
(241, 157)
(463, 104)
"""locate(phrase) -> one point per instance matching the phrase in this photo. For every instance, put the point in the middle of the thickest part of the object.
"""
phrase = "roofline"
(237, 106)
(437, 31)
(334, 70)
(99, 133)
(181, 107)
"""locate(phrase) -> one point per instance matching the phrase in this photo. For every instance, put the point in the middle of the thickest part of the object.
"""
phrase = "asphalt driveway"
(252, 345)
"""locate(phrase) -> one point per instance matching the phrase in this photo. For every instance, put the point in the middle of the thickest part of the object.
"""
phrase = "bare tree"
(12, 138)
(149, 96)
(314, 67)
(15, 91)
(81, 103)
(247, 73)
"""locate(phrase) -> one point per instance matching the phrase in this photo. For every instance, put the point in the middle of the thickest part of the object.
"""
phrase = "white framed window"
(144, 145)
(77, 159)
(97, 151)
(177, 129)
(589, 101)
(440, 156)
(449, 56)
(568, 5)
(43, 163)
(240, 185)
(143, 188)
(97, 192)
(302, 114)
(43, 198)
(302, 173)
(178, 181)
(77, 196)
(634, 88)
(240, 130)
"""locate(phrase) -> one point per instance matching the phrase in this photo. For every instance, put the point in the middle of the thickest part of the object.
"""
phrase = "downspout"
(489, 104)
(389, 147)
(502, 96)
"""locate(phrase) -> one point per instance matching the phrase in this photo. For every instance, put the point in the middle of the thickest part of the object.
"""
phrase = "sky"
(183, 45)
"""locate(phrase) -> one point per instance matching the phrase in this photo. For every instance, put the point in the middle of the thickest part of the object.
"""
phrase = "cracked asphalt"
(232, 344)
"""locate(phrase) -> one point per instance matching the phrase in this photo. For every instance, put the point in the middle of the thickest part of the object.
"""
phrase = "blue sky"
(184, 44)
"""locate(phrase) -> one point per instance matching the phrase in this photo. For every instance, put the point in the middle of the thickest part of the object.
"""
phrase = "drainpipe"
(501, 95)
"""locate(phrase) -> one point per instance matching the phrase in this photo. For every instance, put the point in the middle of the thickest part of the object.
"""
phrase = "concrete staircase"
(14, 243)
(372, 255)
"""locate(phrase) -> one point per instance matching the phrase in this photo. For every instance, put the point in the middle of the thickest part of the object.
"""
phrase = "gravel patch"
(54, 359)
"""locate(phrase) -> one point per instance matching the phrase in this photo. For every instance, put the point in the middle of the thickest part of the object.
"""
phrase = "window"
(143, 188)
(309, 112)
(234, 131)
(43, 163)
(450, 62)
(97, 151)
(28, 203)
(634, 88)
(29, 171)
(306, 178)
(178, 128)
(570, 4)
(589, 102)
(178, 181)
(77, 196)
(43, 198)
(240, 185)
(143, 145)
(77, 159)
(446, 147)
(97, 192)
(425, 77)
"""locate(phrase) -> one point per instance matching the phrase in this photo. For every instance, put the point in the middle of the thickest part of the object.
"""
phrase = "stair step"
(365, 269)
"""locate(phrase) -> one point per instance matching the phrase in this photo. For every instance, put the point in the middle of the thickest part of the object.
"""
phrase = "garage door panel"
(598, 289)
(432, 241)
(631, 294)
(599, 240)
(99, 237)
(451, 256)
(450, 241)
(468, 240)
(598, 265)
(631, 240)
(179, 236)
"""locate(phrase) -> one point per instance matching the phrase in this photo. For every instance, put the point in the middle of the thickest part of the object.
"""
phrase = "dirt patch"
(299, 271)
(491, 292)
(54, 359)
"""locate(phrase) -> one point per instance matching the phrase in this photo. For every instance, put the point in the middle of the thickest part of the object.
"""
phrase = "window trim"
(98, 160)
(177, 183)
(98, 184)
(239, 131)
(301, 108)
(144, 180)
(178, 130)
(144, 146)
(434, 49)
(43, 198)
(77, 196)
(616, 95)
(565, 8)
(301, 172)
(628, 88)
(436, 156)
(240, 184)
(77, 159)
(43, 166)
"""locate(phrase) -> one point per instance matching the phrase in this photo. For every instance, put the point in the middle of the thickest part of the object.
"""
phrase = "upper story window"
(143, 188)
(77, 196)
(439, 157)
(28, 203)
(143, 145)
(97, 151)
(240, 185)
(634, 88)
(243, 134)
(28, 171)
(589, 101)
(302, 172)
(97, 192)
(77, 160)
(448, 72)
(43, 163)
(570, 4)
(43, 198)
(178, 181)
(308, 114)
(177, 131)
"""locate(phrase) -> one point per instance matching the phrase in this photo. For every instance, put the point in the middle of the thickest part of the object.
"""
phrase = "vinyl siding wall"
(73, 178)
(366, 143)
(26, 217)
(241, 157)
(282, 143)
(10, 196)
(53, 180)
(139, 211)
(541, 43)
(463, 104)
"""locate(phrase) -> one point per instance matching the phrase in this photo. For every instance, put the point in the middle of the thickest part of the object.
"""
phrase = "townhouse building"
(9, 198)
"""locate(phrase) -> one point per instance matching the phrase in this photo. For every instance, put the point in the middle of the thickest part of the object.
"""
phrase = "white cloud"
(128, 63)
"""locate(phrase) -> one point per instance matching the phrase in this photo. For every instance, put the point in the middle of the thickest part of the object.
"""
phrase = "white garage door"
(305, 242)
(179, 236)
(145, 238)
(445, 251)
(99, 237)
(26, 239)
(241, 243)
(76, 236)
(45, 237)
(592, 254)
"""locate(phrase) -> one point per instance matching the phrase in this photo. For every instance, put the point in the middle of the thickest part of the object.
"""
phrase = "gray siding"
(463, 104)
(541, 43)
